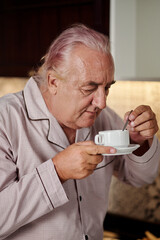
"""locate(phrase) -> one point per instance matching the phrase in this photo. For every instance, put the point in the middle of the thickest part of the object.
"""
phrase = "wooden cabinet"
(28, 28)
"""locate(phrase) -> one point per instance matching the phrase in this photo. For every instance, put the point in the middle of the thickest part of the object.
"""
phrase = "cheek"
(81, 102)
(78, 107)
(66, 98)
(86, 102)
(88, 99)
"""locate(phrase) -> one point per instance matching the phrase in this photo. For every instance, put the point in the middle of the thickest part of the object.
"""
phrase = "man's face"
(82, 95)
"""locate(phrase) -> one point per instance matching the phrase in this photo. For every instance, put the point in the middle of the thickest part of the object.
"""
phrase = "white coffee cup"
(114, 138)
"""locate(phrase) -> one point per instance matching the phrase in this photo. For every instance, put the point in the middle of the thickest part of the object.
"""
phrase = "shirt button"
(86, 237)
(80, 198)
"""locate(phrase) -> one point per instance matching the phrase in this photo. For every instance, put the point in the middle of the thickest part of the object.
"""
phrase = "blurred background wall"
(135, 37)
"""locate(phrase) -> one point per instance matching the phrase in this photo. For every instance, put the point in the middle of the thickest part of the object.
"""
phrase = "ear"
(52, 83)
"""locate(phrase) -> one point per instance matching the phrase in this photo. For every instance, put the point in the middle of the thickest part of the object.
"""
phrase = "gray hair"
(60, 49)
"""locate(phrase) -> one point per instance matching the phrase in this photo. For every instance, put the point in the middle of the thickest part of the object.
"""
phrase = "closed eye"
(93, 87)
(88, 91)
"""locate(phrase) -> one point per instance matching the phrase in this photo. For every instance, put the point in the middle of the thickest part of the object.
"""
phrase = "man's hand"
(79, 160)
(143, 125)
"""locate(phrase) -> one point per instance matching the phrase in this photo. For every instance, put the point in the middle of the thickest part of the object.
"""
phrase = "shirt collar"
(37, 110)
(35, 103)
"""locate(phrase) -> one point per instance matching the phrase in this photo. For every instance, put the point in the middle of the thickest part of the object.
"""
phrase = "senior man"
(54, 180)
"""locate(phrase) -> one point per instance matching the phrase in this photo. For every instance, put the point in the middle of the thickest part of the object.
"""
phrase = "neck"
(70, 133)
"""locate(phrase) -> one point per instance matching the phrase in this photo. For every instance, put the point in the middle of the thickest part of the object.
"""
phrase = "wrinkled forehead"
(86, 60)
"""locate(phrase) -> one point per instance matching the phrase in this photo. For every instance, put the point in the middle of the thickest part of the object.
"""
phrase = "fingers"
(147, 129)
(97, 149)
(91, 154)
(85, 143)
(92, 149)
(141, 114)
(79, 160)
(143, 121)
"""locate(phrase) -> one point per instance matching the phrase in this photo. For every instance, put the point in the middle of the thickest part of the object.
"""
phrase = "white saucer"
(123, 150)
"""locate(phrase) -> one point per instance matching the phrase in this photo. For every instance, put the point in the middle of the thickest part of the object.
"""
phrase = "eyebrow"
(107, 85)
(111, 83)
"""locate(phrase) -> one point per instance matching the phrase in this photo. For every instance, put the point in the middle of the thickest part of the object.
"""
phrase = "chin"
(88, 123)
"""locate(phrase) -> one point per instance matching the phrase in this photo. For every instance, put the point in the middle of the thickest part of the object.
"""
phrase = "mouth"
(91, 112)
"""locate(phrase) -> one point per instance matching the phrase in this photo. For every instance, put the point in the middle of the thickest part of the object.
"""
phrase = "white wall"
(148, 38)
(135, 38)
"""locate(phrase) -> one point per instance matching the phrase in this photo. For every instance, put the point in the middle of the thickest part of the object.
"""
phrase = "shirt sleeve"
(28, 198)
(51, 184)
(141, 170)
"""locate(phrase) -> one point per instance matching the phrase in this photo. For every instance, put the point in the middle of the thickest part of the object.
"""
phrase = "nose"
(99, 99)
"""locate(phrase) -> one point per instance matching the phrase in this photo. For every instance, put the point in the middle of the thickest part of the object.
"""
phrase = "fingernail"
(132, 124)
(112, 150)
(131, 117)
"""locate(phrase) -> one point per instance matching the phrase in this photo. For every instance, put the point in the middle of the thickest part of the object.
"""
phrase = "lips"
(92, 113)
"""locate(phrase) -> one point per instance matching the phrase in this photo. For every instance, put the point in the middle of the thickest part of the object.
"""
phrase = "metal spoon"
(125, 125)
